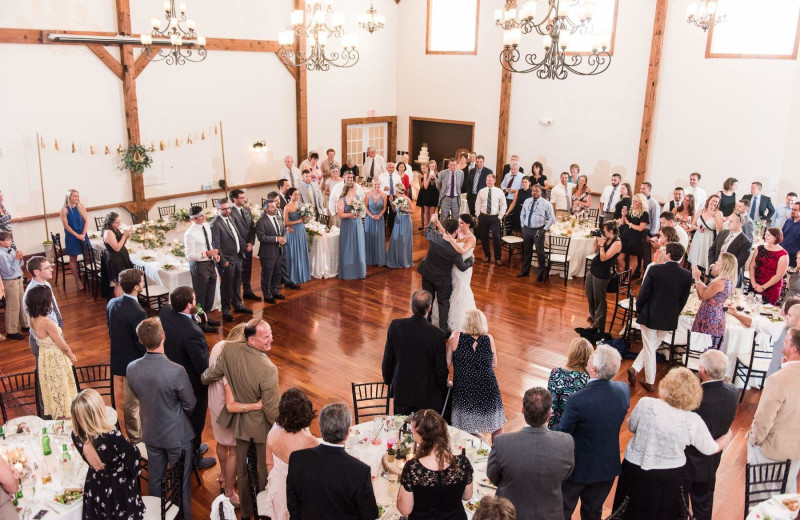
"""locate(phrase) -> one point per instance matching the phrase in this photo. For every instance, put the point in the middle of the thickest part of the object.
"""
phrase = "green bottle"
(200, 311)
(2, 433)
(46, 442)
(66, 458)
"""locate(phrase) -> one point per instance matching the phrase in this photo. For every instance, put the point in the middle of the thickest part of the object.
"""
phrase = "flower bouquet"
(255, 212)
(358, 208)
(402, 204)
(307, 212)
(180, 215)
(178, 249)
(313, 229)
(149, 234)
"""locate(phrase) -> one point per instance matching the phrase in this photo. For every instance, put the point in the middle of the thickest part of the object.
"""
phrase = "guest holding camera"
(607, 246)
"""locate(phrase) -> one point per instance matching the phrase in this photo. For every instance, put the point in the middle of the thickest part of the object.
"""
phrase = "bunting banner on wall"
(77, 147)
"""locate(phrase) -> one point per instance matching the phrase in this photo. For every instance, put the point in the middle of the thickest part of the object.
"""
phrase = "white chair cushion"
(65, 259)
(142, 450)
(157, 290)
(111, 415)
(152, 509)
(625, 304)
(760, 364)
(560, 259)
(591, 257)
(511, 240)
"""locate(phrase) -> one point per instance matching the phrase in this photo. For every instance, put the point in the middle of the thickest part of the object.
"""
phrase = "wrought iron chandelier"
(184, 43)
(318, 23)
(563, 19)
(371, 20)
(705, 14)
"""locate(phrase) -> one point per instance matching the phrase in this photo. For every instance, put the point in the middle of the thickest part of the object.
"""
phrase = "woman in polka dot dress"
(477, 406)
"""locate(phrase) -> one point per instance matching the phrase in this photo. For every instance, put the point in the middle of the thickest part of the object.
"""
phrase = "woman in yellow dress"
(55, 357)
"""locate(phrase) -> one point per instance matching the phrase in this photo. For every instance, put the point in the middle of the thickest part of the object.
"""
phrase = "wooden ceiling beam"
(141, 62)
(232, 44)
(106, 57)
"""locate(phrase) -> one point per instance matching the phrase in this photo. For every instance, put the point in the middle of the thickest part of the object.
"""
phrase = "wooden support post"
(301, 94)
(106, 57)
(652, 88)
(502, 127)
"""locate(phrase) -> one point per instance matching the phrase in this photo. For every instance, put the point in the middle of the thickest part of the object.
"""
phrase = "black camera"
(596, 233)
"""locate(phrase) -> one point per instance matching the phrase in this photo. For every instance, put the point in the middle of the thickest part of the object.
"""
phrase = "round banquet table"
(738, 338)
(324, 254)
(37, 496)
(581, 245)
(775, 509)
(359, 446)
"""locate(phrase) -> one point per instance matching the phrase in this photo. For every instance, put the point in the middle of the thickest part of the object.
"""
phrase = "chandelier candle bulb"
(319, 18)
(338, 19)
(515, 36)
(323, 39)
(548, 41)
(201, 41)
(498, 14)
(190, 24)
(173, 22)
(297, 17)
(591, 8)
(286, 38)
(563, 9)
(146, 39)
(168, 6)
(155, 22)
(182, 8)
(563, 39)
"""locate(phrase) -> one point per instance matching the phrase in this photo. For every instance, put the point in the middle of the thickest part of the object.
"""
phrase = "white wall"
(66, 93)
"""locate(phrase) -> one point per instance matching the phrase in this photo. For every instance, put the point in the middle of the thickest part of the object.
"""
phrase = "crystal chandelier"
(184, 43)
(563, 19)
(371, 20)
(318, 23)
(705, 14)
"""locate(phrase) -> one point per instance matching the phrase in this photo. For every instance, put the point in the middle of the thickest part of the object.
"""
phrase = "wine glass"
(392, 478)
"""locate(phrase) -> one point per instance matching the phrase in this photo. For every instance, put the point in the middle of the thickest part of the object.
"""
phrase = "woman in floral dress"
(710, 317)
(566, 381)
(769, 266)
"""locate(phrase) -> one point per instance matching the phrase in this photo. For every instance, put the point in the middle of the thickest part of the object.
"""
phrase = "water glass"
(392, 478)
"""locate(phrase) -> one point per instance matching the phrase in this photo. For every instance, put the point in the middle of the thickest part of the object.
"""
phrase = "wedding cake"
(423, 154)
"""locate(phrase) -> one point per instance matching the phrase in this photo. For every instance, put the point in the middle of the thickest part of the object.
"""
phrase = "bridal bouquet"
(359, 209)
(401, 204)
(306, 211)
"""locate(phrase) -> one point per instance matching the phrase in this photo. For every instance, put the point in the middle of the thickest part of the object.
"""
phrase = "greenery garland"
(136, 158)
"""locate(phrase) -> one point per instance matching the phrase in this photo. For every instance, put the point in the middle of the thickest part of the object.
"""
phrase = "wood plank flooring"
(332, 332)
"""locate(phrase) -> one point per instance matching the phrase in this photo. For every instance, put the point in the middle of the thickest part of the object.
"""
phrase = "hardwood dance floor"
(332, 332)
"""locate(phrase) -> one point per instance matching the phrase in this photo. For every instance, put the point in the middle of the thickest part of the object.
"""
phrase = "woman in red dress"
(769, 266)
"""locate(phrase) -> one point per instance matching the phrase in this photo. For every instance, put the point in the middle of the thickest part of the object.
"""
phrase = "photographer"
(607, 246)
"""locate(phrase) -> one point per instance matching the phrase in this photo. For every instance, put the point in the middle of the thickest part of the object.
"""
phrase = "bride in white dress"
(461, 299)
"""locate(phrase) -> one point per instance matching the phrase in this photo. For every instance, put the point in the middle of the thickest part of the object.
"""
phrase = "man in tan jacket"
(773, 435)
(252, 377)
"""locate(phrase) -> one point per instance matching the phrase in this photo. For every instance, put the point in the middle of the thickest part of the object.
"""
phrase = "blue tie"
(610, 198)
(391, 184)
(754, 208)
(530, 215)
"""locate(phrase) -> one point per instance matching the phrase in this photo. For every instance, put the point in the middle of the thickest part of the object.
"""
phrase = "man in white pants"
(773, 434)
(664, 292)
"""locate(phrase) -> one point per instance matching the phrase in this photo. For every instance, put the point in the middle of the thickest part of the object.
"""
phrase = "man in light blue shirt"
(785, 211)
(654, 211)
(11, 273)
(41, 271)
(512, 182)
(536, 218)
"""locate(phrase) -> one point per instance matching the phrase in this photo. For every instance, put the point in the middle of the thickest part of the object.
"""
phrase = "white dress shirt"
(293, 175)
(700, 197)
(498, 201)
(561, 196)
(380, 166)
(683, 236)
(194, 242)
(396, 179)
(336, 194)
(604, 202)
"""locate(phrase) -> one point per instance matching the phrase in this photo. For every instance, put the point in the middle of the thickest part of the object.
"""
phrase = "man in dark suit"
(186, 345)
(327, 483)
(593, 417)
(664, 292)
(414, 360)
(272, 237)
(507, 167)
(717, 409)
(283, 187)
(123, 315)
(246, 226)
(167, 399)
(436, 267)
(225, 238)
(733, 241)
(529, 466)
(285, 280)
(760, 205)
(474, 182)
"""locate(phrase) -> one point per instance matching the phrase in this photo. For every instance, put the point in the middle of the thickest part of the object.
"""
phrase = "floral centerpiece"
(150, 234)
(314, 229)
(402, 204)
(306, 212)
(181, 215)
(178, 249)
(359, 209)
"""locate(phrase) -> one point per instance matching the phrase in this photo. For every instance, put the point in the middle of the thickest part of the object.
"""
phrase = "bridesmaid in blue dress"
(74, 218)
(400, 243)
(352, 254)
(296, 242)
(374, 228)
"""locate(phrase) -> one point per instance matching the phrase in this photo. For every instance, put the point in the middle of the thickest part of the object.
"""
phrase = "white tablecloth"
(581, 246)
(38, 496)
(324, 254)
(372, 454)
(774, 509)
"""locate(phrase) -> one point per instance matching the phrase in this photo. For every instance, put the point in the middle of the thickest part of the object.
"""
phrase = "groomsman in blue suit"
(593, 417)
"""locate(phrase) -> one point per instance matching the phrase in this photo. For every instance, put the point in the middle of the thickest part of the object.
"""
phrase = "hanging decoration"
(136, 158)
(55, 146)
(107, 152)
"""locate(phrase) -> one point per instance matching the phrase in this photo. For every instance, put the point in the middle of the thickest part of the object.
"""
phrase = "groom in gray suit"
(528, 466)
(166, 399)
(272, 237)
(450, 181)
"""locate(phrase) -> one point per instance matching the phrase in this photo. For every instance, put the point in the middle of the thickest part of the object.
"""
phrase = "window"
(359, 137)
(756, 29)
(604, 27)
(452, 27)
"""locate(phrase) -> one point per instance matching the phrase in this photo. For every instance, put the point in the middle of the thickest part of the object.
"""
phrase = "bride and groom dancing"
(447, 270)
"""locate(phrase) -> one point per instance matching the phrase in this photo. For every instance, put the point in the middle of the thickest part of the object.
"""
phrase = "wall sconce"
(260, 147)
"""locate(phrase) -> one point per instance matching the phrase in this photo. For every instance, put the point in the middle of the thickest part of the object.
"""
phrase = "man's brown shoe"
(647, 386)
(631, 377)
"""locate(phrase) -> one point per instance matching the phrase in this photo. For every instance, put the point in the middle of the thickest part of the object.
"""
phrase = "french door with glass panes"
(359, 137)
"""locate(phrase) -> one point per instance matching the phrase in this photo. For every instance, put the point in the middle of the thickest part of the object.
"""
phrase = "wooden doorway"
(442, 136)
(360, 132)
